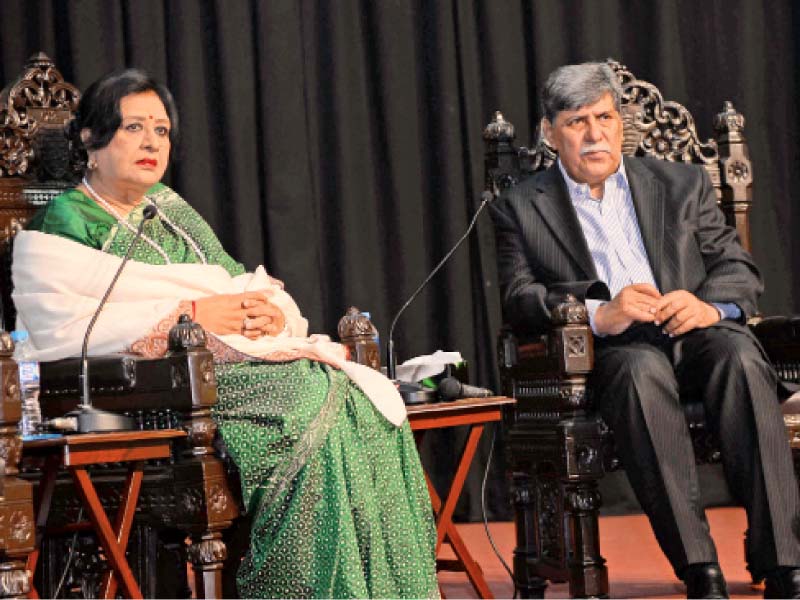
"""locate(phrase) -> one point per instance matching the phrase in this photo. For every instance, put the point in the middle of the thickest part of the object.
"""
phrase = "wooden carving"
(667, 129)
(35, 157)
(736, 171)
(16, 499)
(33, 112)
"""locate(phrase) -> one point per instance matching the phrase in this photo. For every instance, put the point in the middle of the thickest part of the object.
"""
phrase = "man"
(668, 288)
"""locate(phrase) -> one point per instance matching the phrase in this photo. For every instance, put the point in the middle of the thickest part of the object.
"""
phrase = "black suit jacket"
(542, 253)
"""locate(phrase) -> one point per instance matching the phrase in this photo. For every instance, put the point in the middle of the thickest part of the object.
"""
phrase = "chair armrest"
(183, 381)
(118, 382)
(567, 349)
(780, 337)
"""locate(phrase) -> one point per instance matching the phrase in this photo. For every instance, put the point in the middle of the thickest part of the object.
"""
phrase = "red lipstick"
(147, 162)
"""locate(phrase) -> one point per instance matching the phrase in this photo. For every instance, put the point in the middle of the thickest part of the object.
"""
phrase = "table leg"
(107, 537)
(123, 522)
(445, 528)
(446, 524)
(445, 520)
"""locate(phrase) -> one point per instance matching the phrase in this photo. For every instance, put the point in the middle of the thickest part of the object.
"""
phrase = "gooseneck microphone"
(486, 198)
(451, 388)
(89, 418)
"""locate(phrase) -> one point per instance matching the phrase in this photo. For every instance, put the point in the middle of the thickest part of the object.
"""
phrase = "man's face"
(588, 140)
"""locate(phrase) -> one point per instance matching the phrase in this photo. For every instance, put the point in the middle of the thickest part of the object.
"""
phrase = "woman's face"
(138, 154)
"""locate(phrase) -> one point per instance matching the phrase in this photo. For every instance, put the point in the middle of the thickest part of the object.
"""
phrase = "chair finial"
(570, 311)
(498, 130)
(186, 335)
(730, 121)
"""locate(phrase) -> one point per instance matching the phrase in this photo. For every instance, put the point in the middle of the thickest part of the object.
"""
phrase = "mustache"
(595, 148)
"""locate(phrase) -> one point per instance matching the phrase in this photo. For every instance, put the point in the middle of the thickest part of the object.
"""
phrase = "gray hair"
(572, 86)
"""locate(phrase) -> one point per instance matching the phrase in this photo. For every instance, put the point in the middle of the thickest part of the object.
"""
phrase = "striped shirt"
(612, 231)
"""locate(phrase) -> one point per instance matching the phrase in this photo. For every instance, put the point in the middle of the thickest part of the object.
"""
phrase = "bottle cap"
(19, 335)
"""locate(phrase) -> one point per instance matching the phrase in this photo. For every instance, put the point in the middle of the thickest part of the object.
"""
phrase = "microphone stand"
(91, 419)
(486, 198)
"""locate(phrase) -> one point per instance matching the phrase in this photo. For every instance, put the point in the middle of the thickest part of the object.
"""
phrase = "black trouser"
(640, 380)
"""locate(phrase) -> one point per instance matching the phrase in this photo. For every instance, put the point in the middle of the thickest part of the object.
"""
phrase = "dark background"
(339, 142)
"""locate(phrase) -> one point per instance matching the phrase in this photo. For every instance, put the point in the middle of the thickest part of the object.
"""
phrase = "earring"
(91, 164)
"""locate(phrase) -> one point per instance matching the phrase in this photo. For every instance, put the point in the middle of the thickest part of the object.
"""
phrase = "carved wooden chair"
(188, 497)
(557, 446)
(17, 534)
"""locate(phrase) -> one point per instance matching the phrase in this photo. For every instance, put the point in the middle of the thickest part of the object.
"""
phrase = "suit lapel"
(648, 200)
(553, 203)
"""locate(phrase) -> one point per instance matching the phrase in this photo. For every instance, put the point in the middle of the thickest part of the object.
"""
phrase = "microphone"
(89, 418)
(486, 198)
(451, 388)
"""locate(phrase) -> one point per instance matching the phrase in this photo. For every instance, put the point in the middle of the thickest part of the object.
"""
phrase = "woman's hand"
(250, 314)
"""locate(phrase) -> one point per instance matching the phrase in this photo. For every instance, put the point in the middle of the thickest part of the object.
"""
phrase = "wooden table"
(475, 413)
(75, 453)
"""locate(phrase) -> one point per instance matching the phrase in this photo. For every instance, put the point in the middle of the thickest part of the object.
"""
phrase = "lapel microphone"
(89, 418)
(486, 198)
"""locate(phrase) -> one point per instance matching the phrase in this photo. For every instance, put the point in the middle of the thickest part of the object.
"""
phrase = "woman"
(329, 468)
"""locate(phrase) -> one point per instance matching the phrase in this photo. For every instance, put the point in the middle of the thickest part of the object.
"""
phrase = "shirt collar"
(580, 191)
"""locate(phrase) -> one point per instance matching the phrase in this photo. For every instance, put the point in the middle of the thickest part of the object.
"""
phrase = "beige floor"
(636, 567)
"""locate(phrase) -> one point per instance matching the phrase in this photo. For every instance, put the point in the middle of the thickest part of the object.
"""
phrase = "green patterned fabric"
(74, 216)
(337, 495)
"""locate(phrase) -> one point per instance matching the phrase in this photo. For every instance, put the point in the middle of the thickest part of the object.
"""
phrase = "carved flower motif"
(217, 499)
(737, 171)
(21, 529)
(10, 449)
(662, 142)
(6, 345)
(576, 345)
(191, 501)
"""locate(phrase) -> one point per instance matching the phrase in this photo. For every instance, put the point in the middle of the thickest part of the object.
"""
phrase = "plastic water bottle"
(28, 383)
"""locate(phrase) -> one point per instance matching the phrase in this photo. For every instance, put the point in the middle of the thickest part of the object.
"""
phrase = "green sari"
(336, 493)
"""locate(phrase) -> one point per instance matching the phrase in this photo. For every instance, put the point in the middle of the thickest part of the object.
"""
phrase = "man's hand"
(637, 302)
(250, 314)
(681, 311)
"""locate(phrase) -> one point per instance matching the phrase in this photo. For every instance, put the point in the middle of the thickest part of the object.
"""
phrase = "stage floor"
(636, 567)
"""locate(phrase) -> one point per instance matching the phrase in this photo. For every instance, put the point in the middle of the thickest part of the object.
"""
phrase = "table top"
(74, 440)
(457, 406)
(466, 411)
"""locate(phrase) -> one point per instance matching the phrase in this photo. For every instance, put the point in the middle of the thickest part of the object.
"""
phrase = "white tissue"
(418, 368)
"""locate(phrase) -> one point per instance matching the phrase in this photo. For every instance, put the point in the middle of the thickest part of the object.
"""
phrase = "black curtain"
(338, 142)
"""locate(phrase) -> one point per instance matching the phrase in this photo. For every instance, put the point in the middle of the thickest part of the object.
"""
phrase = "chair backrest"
(35, 159)
(652, 127)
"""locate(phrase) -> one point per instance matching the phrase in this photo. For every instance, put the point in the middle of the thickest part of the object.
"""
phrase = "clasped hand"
(250, 314)
(677, 312)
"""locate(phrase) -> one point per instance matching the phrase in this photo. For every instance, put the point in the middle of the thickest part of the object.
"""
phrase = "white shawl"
(58, 284)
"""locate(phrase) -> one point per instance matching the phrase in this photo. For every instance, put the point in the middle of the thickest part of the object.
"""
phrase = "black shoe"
(704, 580)
(783, 582)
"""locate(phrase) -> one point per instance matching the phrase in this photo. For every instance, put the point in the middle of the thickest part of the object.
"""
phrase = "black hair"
(99, 112)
